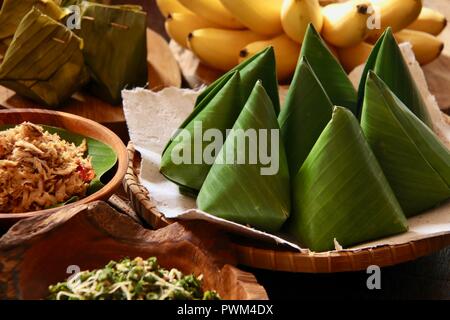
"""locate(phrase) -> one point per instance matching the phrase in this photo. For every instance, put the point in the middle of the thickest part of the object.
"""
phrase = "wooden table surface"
(426, 278)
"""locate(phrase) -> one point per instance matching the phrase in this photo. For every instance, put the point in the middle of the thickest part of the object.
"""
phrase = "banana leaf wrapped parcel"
(218, 107)
(13, 11)
(415, 162)
(340, 194)
(44, 61)
(115, 48)
(247, 192)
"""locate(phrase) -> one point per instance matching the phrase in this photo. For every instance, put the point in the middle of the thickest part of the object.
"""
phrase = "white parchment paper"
(152, 118)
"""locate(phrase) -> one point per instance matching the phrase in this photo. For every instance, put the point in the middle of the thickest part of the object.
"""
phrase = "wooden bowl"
(42, 250)
(255, 255)
(73, 124)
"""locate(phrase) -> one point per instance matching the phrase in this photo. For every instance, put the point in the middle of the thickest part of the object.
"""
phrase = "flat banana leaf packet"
(44, 61)
(13, 11)
(115, 48)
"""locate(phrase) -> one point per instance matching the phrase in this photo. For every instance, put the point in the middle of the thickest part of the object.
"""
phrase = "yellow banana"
(219, 48)
(180, 25)
(352, 57)
(332, 49)
(261, 16)
(397, 14)
(171, 6)
(214, 11)
(297, 14)
(430, 21)
(345, 24)
(287, 53)
(426, 47)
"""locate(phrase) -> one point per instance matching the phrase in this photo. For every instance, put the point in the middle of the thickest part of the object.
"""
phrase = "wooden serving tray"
(40, 251)
(255, 255)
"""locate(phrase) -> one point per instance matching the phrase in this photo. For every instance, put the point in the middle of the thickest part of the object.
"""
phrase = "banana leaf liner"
(44, 61)
(13, 11)
(306, 113)
(330, 72)
(261, 66)
(415, 162)
(220, 113)
(115, 48)
(340, 194)
(387, 61)
(240, 192)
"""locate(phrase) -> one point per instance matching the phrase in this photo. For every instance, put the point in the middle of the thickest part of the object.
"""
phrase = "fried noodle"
(39, 170)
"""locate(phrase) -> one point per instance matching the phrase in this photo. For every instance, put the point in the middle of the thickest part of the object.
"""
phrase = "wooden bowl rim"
(115, 143)
(284, 260)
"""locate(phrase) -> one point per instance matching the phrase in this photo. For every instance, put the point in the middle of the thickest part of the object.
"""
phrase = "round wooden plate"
(75, 124)
(47, 249)
(272, 258)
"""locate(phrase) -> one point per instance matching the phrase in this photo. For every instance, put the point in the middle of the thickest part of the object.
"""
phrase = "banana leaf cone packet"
(330, 72)
(261, 66)
(115, 48)
(387, 61)
(340, 193)
(306, 113)
(13, 11)
(219, 114)
(44, 61)
(415, 162)
(250, 192)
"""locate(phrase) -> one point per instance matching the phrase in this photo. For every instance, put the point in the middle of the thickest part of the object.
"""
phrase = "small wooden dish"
(73, 124)
(46, 249)
(255, 255)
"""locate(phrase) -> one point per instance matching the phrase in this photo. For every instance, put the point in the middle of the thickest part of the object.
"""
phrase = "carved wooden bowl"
(39, 251)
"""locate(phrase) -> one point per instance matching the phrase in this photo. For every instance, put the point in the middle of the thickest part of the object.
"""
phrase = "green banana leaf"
(331, 74)
(306, 113)
(220, 113)
(261, 66)
(103, 156)
(386, 60)
(239, 192)
(44, 61)
(415, 162)
(13, 11)
(341, 193)
(115, 48)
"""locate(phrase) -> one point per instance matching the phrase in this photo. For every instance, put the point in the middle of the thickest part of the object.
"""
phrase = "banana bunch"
(223, 33)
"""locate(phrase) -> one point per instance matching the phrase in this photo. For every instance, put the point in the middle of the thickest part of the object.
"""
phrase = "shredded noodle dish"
(39, 170)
